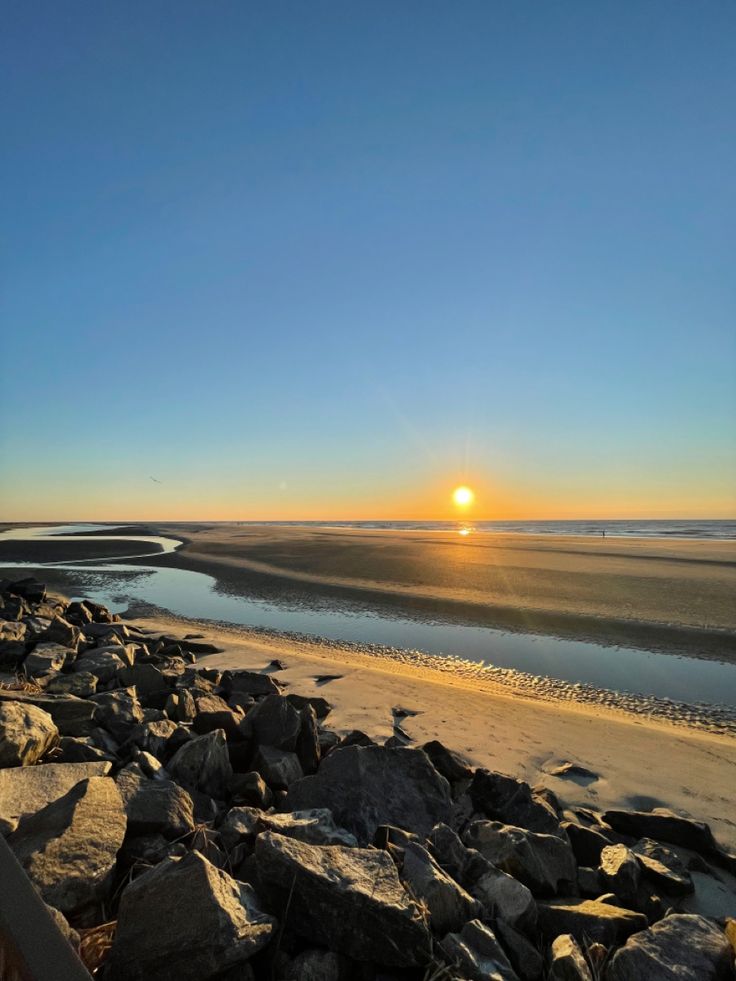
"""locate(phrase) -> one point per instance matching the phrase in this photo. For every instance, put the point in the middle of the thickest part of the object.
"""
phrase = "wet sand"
(675, 596)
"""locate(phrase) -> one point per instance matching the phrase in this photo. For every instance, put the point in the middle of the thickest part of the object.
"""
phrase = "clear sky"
(328, 260)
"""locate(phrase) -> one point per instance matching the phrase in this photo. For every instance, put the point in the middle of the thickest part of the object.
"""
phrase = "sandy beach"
(672, 595)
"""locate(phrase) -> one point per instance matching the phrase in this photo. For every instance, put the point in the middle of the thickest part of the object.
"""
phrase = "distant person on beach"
(603, 532)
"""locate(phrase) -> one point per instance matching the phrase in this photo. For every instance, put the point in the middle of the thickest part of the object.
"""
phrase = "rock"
(319, 965)
(274, 722)
(28, 589)
(104, 665)
(278, 767)
(621, 872)
(477, 954)
(663, 868)
(448, 905)
(568, 963)
(590, 882)
(239, 826)
(499, 894)
(26, 733)
(202, 764)
(663, 825)
(82, 684)
(186, 710)
(78, 613)
(321, 706)
(587, 843)
(680, 947)
(145, 678)
(449, 764)
(12, 642)
(59, 631)
(154, 806)
(25, 790)
(544, 863)
(248, 682)
(68, 848)
(62, 925)
(349, 899)
(118, 711)
(307, 744)
(365, 787)
(186, 920)
(213, 712)
(588, 919)
(250, 789)
(356, 737)
(157, 738)
(72, 716)
(523, 955)
(315, 827)
(512, 802)
(81, 750)
(45, 660)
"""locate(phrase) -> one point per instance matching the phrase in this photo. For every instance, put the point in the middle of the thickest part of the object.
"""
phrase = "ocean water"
(681, 528)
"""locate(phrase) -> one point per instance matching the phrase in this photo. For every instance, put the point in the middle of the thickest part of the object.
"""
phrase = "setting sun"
(463, 496)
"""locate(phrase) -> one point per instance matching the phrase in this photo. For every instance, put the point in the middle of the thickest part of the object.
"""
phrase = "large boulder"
(213, 712)
(544, 863)
(46, 660)
(118, 711)
(27, 789)
(249, 683)
(104, 665)
(448, 905)
(680, 947)
(26, 733)
(60, 631)
(450, 764)
(663, 868)
(69, 847)
(274, 722)
(587, 843)
(72, 716)
(203, 764)
(186, 920)
(278, 767)
(512, 802)
(477, 954)
(154, 806)
(589, 919)
(366, 786)
(349, 899)
(663, 825)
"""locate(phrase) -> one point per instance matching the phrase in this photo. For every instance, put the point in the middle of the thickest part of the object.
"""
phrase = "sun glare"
(463, 496)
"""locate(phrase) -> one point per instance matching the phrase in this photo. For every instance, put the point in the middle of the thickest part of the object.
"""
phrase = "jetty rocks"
(187, 824)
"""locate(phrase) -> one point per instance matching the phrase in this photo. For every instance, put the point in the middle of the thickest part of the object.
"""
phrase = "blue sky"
(328, 260)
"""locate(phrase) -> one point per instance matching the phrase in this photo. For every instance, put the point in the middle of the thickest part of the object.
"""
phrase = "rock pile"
(212, 827)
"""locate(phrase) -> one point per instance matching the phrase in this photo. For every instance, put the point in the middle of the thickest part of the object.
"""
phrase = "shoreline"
(514, 729)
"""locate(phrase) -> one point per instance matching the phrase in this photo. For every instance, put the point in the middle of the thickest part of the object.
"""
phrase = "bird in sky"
(156, 481)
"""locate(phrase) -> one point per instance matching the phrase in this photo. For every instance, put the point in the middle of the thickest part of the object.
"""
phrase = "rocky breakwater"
(187, 824)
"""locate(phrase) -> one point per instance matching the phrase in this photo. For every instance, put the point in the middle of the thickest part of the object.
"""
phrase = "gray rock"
(477, 954)
(26, 733)
(213, 712)
(349, 899)
(448, 905)
(153, 737)
(567, 961)
(365, 787)
(621, 873)
(239, 826)
(544, 863)
(500, 895)
(321, 706)
(680, 947)
(662, 867)
(278, 767)
(79, 749)
(587, 843)
(590, 882)
(202, 764)
(72, 716)
(315, 827)
(307, 745)
(250, 790)
(663, 825)
(46, 660)
(186, 920)
(450, 764)
(68, 848)
(82, 684)
(512, 802)
(62, 925)
(154, 806)
(104, 665)
(319, 965)
(274, 722)
(145, 678)
(25, 790)
(118, 711)
(59, 631)
(249, 683)
(589, 919)
(525, 959)
(186, 710)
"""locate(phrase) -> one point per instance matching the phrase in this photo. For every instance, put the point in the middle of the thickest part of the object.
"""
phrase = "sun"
(463, 497)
